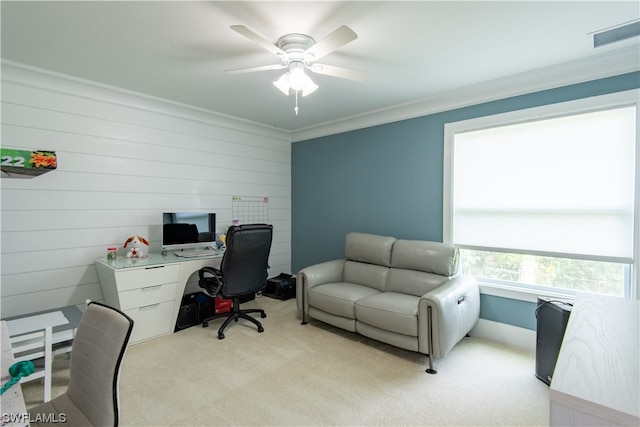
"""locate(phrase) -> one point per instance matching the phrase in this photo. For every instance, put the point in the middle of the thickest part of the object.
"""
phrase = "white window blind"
(560, 186)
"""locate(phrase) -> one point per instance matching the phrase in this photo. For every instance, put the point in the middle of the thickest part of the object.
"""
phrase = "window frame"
(579, 106)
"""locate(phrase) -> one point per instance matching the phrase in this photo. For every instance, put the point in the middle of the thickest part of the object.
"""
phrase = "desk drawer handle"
(149, 305)
(154, 287)
(151, 268)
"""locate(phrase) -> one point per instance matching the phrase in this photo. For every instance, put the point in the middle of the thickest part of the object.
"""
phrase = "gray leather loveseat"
(406, 293)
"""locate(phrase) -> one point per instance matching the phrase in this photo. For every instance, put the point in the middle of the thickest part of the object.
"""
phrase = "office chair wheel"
(260, 329)
(263, 315)
(220, 336)
(205, 324)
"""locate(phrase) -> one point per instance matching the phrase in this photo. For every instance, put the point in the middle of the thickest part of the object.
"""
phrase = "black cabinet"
(552, 318)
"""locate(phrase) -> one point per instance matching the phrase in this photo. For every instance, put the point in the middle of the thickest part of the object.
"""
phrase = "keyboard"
(196, 254)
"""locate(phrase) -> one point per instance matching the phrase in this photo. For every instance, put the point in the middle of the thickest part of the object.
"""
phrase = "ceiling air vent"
(616, 34)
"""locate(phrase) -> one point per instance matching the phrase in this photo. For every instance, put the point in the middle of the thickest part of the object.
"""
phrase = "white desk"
(150, 289)
(596, 381)
(14, 412)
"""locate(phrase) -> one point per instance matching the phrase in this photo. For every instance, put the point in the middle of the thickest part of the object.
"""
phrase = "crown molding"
(607, 64)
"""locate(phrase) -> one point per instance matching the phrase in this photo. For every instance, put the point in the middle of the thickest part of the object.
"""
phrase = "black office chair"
(243, 272)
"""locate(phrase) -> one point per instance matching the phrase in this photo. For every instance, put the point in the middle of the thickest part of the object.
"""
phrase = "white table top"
(36, 322)
(64, 321)
(153, 259)
(598, 369)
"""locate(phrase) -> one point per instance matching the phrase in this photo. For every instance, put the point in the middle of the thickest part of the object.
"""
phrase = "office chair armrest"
(211, 285)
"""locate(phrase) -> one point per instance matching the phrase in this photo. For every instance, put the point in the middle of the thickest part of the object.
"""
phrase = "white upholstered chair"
(98, 349)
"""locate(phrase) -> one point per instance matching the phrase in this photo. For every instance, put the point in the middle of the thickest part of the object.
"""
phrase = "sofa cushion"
(390, 311)
(399, 340)
(332, 319)
(339, 298)
(413, 282)
(373, 276)
(369, 248)
(430, 257)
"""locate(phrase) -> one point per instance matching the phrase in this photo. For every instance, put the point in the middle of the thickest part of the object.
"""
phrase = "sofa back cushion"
(370, 275)
(413, 282)
(369, 248)
(429, 257)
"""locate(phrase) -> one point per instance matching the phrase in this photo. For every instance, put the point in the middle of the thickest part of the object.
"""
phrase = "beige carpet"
(316, 375)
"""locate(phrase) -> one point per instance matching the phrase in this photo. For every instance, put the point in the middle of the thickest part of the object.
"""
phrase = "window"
(547, 197)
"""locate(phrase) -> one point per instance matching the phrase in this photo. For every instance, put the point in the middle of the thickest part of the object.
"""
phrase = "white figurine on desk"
(136, 242)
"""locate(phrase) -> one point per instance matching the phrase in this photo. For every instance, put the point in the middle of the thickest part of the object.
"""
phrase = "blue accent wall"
(510, 311)
(388, 180)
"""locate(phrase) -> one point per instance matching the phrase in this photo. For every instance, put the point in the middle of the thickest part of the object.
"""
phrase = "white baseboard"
(512, 336)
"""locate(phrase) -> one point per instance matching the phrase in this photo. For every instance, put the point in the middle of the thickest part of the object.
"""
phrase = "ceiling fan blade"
(253, 69)
(333, 41)
(343, 73)
(241, 29)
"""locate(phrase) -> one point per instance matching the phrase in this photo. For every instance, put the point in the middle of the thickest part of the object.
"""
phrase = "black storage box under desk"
(281, 287)
(194, 308)
(188, 314)
(205, 306)
(553, 316)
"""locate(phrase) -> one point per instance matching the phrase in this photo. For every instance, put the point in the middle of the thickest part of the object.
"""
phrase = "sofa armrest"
(318, 274)
(455, 310)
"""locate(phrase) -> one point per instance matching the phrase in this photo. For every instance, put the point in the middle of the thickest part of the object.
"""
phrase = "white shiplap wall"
(123, 159)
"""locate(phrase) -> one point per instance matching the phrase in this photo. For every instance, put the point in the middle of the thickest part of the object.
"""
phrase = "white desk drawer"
(147, 295)
(141, 277)
(151, 321)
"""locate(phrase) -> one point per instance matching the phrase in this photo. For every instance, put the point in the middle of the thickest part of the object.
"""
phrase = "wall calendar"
(249, 210)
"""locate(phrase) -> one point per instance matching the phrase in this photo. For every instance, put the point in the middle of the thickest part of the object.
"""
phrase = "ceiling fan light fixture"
(297, 80)
(283, 84)
(309, 88)
(298, 53)
(297, 77)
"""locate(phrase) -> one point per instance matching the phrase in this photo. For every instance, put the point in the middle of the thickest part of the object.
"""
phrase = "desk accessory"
(136, 242)
(112, 253)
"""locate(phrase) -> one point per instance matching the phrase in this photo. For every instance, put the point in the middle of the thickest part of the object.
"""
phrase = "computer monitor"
(188, 230)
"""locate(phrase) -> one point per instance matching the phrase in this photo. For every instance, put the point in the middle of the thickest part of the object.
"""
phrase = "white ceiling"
(411, 50)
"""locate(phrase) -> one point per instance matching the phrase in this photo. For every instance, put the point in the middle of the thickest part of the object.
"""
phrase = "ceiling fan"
(298, 52)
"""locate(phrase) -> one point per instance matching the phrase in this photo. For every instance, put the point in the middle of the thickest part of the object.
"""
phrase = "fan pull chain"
(296, 109)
